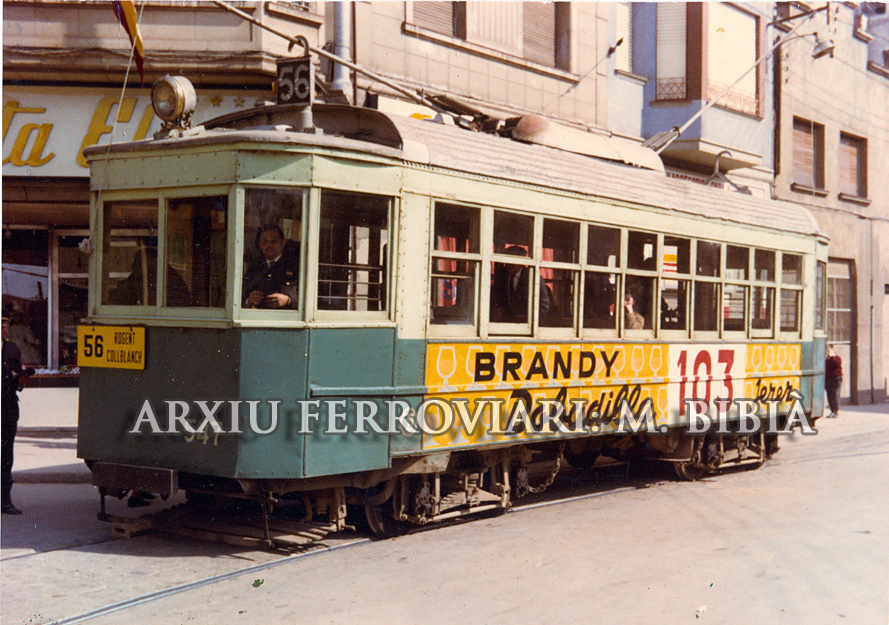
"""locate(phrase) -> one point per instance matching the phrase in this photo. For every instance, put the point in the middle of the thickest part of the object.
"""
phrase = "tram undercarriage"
(417, 492)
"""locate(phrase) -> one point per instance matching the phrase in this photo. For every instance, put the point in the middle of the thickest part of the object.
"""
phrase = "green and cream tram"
(481, 281)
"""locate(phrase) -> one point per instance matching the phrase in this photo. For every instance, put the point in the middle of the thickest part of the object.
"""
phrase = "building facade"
(64, 66)
(831, 146)
(627, 70)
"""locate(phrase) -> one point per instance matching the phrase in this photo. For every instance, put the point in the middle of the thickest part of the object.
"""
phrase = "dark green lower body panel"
(271, 373)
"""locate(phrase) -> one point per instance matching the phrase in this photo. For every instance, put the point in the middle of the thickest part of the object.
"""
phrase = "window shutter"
(436, 16)
(803, 153)
(496, 25)
(671, 42)
(851, 166)
(539, 26)
(623, 56)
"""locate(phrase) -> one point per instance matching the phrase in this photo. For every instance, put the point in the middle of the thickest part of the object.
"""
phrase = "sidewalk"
(46, 444)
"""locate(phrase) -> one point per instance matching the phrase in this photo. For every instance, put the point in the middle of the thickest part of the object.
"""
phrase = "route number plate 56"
(117, 347)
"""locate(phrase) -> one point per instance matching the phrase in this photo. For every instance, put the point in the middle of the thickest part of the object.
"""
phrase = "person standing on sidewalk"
(13, 380)
(833, 380)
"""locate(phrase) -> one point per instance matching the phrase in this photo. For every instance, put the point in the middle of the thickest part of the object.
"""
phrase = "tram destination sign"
(115, 347)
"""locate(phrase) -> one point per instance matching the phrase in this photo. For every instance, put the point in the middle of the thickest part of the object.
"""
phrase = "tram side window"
(561, 244)
(761, 313)
(639, 303)
(272, 237)
(196, 252)
(706, 307)
(352, 252)
(708, 259)
(600, 300)
(129, 254)
(737, 262)
(734, 303)
(511, 281)
(641, 248)
(791, 298)
(674, 292)
(454, 277)
(600, 306)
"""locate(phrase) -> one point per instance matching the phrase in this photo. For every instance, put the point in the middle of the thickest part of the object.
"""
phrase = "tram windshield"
(272, 248)
(193, 259)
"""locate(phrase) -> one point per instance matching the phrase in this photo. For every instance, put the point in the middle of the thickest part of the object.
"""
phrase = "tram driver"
(273, 282)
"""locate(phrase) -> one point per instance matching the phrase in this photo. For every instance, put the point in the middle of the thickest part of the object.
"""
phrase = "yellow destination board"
(117, 347)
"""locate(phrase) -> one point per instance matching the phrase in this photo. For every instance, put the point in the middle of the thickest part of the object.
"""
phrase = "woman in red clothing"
(833, 380)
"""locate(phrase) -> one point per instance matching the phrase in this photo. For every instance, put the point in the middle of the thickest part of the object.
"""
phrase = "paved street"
(802, 540)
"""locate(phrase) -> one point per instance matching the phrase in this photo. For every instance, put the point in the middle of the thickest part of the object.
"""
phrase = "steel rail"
(175, 590)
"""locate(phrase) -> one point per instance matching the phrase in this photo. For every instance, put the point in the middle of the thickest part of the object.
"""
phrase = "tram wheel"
(689, 471)
(382, 523)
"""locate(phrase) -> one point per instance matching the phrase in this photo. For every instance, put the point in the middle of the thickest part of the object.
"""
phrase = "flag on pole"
(126, 14)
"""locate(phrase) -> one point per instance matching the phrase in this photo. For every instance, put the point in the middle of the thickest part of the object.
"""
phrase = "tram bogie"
(424, 321)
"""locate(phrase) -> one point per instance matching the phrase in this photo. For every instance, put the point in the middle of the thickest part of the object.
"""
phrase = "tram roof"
(487, 155)
(447, 146)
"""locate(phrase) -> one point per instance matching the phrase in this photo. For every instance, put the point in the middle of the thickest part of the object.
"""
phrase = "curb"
(50, 477)
(47, 431)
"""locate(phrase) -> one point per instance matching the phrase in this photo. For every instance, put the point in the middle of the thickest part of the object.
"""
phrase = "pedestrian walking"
(833, 380)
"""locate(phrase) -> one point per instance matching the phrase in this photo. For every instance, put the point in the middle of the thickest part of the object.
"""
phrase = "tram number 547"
(696, 375)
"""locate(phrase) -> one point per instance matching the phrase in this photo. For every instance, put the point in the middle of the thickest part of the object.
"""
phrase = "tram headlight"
(173, 98)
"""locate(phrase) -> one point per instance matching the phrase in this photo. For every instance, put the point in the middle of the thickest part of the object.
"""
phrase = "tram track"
(207, 581)
(293, 557)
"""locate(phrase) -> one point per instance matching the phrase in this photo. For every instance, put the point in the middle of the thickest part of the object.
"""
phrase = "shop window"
(273, 226)
(25, 292)
(808, 155)
(353, 252)
(129, 255)
(195, 252)
(853, 166)
(73, 277)
(453, 275)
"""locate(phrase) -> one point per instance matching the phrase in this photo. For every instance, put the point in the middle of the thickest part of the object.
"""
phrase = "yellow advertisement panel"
(499, 392)
(116, 347)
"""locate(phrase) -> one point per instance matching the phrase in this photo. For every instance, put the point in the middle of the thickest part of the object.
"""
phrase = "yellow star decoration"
(239, 101)
(216, 100)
